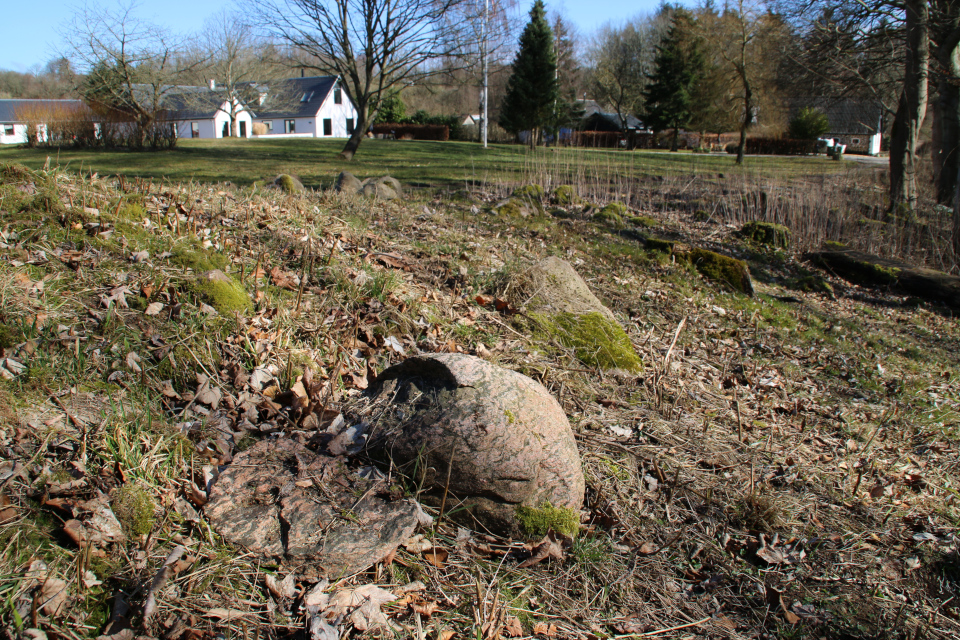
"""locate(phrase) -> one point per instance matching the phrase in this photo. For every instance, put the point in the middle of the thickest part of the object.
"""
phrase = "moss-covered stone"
(564, 195)
(611, 214)
(516, 208)
(812, 284)
(767, 233)
(531, 191)
(288, 184)
(134, 507)
(659, 244)
(723, 269)
(859, 268)
(9, 336)
(596, 340)
(643, 221)
(537, 521)
(223, 293)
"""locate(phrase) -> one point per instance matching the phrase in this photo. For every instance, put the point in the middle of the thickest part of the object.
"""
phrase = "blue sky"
(31, 27)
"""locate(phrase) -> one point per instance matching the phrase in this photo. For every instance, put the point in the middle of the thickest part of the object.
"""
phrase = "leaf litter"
(774, 466)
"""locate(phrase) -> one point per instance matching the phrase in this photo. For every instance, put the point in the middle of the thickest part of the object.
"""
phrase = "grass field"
(433, 164)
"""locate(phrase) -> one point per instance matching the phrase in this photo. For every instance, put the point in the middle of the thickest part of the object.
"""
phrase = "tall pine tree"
(532, 89)
(679, 65)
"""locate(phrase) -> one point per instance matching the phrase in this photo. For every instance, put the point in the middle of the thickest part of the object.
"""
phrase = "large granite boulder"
(500, 437)
(382, 188)
(282, 501)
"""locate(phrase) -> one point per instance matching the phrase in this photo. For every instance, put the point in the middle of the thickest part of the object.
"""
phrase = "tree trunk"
(356, 137)
(912, 106)
(747, 116)
(947, 139)
(674, 143)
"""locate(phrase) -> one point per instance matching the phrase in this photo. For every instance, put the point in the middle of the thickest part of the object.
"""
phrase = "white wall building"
(14, 114)
(315, 107)
(199, 112)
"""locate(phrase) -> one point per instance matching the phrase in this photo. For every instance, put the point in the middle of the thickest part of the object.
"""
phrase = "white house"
(858, 124)
(202, 112)
(315, 107)
(14, 116)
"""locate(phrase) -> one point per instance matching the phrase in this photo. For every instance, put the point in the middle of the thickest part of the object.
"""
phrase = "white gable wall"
(337, 113)
(19, 133)
(213, 127)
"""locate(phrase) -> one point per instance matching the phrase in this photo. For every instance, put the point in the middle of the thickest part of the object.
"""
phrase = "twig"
(659, 631)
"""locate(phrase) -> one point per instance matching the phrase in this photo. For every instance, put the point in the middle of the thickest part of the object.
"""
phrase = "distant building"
(17, 115)
(855, 123)
(204, 112)
(314, 107)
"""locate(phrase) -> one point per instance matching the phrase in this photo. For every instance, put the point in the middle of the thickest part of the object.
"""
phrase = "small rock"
(347, 183)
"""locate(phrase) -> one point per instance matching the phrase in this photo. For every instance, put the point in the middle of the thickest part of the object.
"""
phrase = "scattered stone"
(611, 214)
(508, 439)
(347, 183)
(287, 183)
(562, 306)
(865, 269)
(721, 268)
(767, 233)
(280, 500)
(384, 188)
(564, 195)
(515, 208)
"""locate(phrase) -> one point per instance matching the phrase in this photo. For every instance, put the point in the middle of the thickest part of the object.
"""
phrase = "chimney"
(302, 72)
(213, 84)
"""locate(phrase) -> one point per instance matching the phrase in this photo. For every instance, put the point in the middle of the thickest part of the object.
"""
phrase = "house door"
(226, 130)
(243, 129)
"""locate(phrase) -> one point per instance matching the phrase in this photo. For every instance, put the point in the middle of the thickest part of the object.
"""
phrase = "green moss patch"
(564, 195)
(537, 521)
(611, 214)
(596, 340)
(227, 297)
(659, 244)
(199, 260)
(532, 191)
(288, 184)
(767, 233)
(723, 269)
(134, 507)
(24, 190)
(644, 221)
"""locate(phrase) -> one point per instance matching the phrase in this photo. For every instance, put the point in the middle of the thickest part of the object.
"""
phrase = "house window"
(269, 125)
(194, 129)
(306, 96)
(8, 129)
(327, 127)
(855, 141)
(337, 96)
(349, 126)
(289, 126)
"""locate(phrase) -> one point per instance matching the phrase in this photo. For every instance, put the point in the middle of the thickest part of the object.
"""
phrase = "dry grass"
(781, 467)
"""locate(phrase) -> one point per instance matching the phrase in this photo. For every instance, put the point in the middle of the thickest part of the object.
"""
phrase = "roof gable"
(297, 97)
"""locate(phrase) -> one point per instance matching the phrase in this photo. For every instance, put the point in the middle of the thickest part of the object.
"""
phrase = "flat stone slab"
(283, 501)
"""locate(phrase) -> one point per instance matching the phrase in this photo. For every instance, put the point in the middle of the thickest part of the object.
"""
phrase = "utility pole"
(483, 61)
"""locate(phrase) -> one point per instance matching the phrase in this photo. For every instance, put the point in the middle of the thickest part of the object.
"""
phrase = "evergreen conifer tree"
(531, 95)
(679, 65)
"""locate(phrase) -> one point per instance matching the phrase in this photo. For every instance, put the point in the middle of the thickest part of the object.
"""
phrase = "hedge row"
(605, 139)
(413, 131)
(776, 146)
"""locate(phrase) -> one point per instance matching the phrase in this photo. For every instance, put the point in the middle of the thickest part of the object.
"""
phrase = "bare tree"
(622, 59)
(375, 46)
(131, 64)
(235, 63)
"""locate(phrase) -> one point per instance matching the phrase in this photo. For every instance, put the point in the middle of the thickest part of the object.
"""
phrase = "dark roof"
(193, 103)
(296, 97)
(600, 121)
(847, 116)
(9, 108)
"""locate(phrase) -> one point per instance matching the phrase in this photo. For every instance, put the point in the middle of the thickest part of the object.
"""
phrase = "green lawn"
(447, 164)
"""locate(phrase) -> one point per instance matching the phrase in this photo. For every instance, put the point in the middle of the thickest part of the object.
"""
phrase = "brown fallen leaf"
(8, 513)
(513, 627)
(551, 546)
(543, 629)
(226, 615)
(445, 634)
(425, 608)
(436, 556)
(154, 308)
(53, 596)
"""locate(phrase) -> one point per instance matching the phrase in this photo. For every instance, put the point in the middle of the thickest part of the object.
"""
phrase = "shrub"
(809, 124)
(413, 131)
(775, 146)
